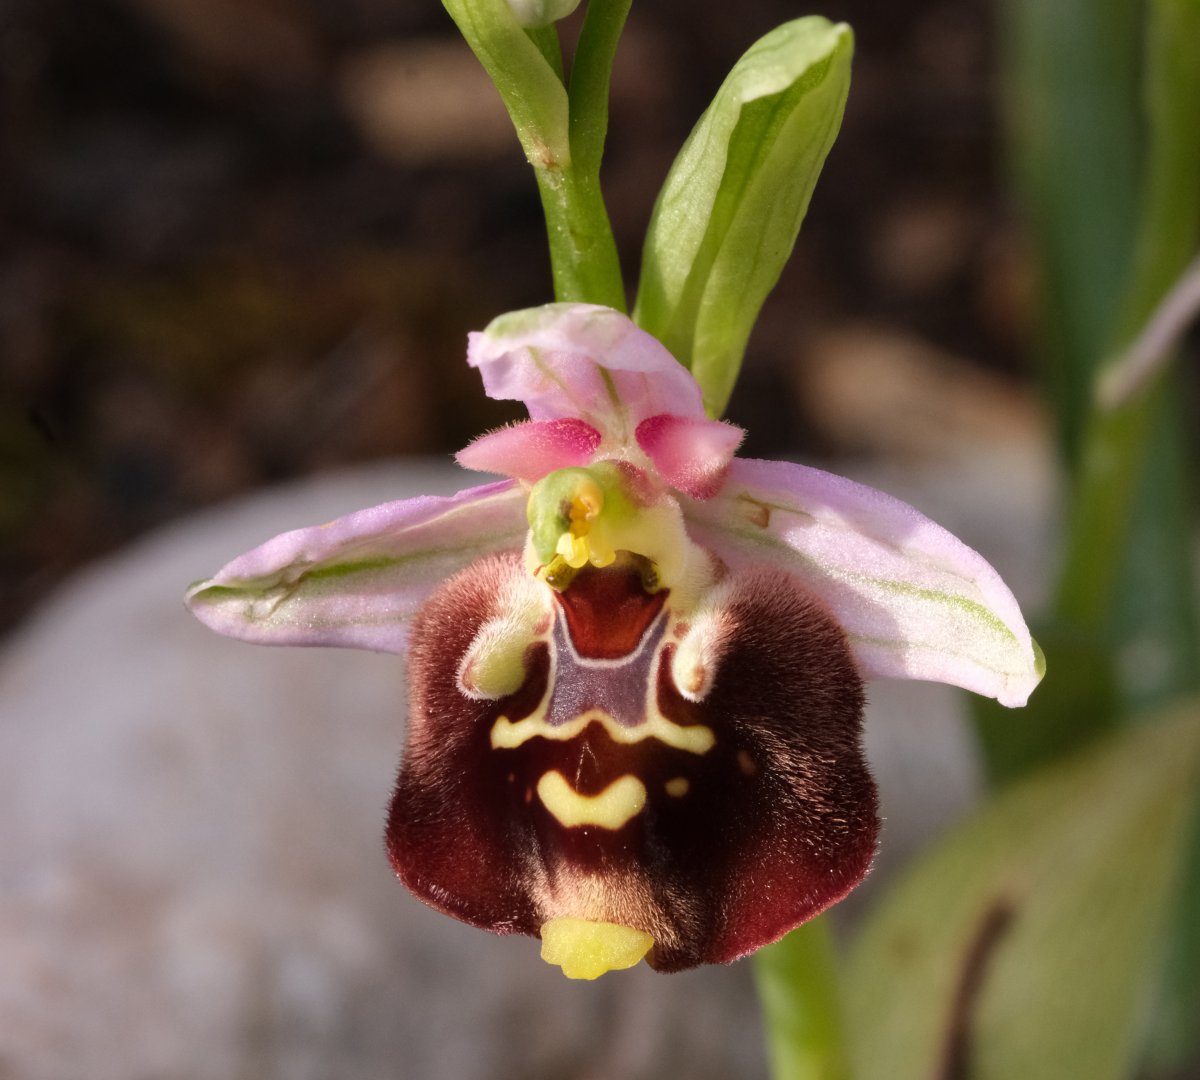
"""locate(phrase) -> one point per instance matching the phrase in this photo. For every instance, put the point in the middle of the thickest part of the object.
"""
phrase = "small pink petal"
(915, 601)
(530, 450)
(690, 453)
(357, 581)
(583, 361)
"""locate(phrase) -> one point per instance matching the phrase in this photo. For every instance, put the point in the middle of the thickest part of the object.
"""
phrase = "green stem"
(582, 249)
(527, 70)
(583, 254)
(591, 75)
(798, 987)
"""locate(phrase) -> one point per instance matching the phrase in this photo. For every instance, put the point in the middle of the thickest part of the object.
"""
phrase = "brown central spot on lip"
(608, 611)
(758, 512)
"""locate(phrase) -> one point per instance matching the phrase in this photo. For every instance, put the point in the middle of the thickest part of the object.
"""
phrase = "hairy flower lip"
(769, 808)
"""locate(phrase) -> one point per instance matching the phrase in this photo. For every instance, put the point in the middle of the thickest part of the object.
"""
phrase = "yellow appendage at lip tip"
(586, 949)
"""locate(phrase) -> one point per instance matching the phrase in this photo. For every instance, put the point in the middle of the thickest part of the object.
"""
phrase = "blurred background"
(241, 245)
(244, 240)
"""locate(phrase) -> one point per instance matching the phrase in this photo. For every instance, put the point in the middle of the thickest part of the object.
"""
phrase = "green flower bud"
(536, 13)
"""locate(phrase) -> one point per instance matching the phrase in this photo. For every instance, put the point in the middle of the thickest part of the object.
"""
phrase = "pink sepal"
(914, 600)
(583, 361)
(358, 580)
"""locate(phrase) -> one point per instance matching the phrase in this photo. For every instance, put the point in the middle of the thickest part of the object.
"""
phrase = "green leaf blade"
(729, 212)
(1026, 944)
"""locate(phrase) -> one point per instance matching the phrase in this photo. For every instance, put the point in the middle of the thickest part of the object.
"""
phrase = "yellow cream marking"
(677, 787)
(586, 950)
(617, 804)
(696, 739)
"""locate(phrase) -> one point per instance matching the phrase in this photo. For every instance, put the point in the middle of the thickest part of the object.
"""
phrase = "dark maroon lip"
(734, 841)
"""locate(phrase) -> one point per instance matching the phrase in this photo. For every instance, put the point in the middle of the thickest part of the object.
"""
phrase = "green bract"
(729, 212)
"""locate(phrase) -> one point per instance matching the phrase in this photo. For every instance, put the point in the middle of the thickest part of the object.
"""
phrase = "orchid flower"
(635, 663)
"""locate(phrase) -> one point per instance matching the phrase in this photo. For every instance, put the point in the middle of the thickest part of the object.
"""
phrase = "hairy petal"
(914, 600)
(529, 450)
(583, 361)
(689, 452)
(358, 580)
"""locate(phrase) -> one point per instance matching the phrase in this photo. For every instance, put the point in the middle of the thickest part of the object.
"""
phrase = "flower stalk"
(562, 132)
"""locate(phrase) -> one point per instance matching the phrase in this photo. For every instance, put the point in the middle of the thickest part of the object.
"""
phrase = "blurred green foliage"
(1057, 933)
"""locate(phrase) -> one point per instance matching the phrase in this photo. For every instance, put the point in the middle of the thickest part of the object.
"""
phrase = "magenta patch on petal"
(691, 454)
(530, 450)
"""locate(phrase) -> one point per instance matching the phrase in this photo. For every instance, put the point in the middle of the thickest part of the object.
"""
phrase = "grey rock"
(192, 876)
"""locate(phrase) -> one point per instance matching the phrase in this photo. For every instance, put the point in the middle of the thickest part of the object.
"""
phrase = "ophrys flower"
(636, 664)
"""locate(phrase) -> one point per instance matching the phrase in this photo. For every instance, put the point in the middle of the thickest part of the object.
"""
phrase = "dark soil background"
(245, 239)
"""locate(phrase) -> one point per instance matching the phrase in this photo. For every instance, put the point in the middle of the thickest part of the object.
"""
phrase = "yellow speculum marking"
(616, 805)
(586, 950)
(696, 739)
(677, 787)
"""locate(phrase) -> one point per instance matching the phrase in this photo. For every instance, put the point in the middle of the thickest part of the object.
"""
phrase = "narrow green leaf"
(1070, 70)
(1127, 591)
(1129, 542)
(1026, 944)
(728, 215)
(1158, 612)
